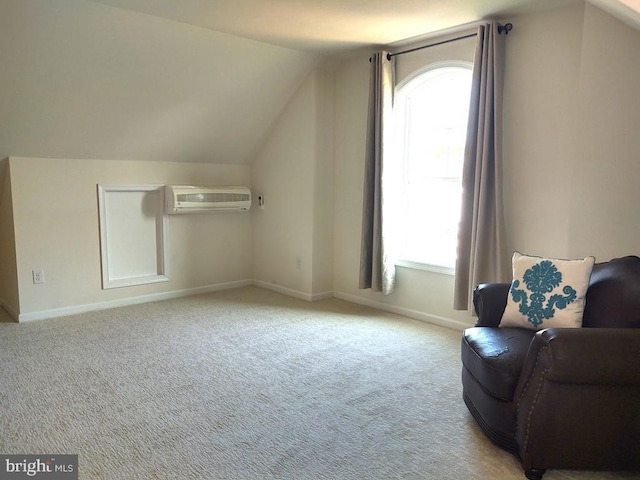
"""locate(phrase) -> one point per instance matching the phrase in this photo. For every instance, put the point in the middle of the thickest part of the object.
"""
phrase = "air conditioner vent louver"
(215, 197)
(189, 198)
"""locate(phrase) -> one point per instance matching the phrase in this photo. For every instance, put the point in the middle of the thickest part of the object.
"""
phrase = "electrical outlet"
(38, 276)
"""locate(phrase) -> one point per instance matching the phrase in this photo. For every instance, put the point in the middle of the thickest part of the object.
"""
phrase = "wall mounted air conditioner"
(192, 199)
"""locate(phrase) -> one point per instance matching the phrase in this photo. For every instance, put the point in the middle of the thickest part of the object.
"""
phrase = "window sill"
(426, 267)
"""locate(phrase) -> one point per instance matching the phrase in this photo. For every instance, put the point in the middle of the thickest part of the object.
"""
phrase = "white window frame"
(404, 262)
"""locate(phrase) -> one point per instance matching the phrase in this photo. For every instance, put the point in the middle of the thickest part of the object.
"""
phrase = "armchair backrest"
(613, 297)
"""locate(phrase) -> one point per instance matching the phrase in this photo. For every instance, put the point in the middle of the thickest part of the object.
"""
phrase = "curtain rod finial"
(505, 28)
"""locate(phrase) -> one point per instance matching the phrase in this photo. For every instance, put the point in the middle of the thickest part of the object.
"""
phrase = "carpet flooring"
(246, 384)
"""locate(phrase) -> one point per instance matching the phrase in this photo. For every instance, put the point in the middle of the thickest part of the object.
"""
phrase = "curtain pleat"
(481, 255)
(377, 268)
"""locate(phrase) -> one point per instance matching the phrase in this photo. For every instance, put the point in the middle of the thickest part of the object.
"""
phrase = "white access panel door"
(133, 235)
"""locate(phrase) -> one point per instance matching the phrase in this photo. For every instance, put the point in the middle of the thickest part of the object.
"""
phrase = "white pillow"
(547, 292)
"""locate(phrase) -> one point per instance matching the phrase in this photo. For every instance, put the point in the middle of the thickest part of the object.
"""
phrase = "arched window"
(431, 114)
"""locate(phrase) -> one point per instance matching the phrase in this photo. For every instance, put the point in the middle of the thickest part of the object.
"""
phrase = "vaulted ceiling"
(332, 26)
(190, 80)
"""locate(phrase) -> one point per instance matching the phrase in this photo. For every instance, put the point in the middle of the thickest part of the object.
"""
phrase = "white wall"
(542, 76)
(87, 80)
(604, 219)
(571, 107)
(83, 80)
(55, 209)
(571, 147)
(293, 170)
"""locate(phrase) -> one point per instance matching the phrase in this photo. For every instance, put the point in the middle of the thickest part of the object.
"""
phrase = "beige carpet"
(245, 384)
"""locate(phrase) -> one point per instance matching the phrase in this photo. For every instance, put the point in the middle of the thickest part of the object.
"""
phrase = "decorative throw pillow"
(547, 292)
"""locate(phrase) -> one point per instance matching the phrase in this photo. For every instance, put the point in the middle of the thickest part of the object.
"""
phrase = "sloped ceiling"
(85, 80)
(190, 80)
(335, 26)
(330, 26)
(626, 10)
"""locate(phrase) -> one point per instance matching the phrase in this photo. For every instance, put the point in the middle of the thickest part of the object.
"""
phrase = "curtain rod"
(501, 28)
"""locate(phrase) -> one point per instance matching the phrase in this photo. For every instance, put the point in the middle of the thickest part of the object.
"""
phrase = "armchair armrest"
(490, 300)
(590, 356)
(578, 385)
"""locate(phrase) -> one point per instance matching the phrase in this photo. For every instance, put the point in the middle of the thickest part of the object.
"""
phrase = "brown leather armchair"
(561, 398)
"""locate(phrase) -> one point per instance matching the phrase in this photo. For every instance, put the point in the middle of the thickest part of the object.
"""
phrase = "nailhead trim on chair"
(535, 399)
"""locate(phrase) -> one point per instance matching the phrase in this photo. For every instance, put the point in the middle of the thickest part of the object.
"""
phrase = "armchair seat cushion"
(495, 356)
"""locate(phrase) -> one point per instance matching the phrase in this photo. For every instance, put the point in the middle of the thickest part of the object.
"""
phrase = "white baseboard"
(406, 312)
(293, 293)
(59, 312)
(73, 310)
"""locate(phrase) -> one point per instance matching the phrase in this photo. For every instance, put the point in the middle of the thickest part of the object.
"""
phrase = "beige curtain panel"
(481, 255)
(377, 268)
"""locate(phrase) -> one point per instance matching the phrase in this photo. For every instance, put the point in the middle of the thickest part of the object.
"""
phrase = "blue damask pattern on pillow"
(541, 279)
